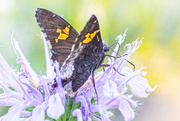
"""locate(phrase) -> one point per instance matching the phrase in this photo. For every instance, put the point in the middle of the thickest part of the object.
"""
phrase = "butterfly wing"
(60, 34)
(90, 38)
(87, 55)
(90, 34)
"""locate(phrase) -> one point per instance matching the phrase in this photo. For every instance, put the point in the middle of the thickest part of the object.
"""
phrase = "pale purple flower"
(112, 86)
(31, 96)
(78, 114)
(24, 96)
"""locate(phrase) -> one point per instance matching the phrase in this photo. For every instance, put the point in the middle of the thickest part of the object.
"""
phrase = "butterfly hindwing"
(58, 32)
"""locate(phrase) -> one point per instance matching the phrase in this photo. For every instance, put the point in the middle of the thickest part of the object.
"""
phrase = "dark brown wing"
(89, 48)
(58, 32)
(90, 34)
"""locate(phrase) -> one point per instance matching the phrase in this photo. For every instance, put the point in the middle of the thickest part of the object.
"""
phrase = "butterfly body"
(80, 63)
(79, 55)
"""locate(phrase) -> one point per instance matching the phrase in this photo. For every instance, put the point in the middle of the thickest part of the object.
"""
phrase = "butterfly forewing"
(90, 34)
(58, 32)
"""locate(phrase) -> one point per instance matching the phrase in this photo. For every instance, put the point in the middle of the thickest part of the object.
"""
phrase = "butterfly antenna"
(131, 64)
(117, 53)
(113, 45)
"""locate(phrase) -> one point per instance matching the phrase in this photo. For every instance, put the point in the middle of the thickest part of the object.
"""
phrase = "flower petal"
(29, 68)
(49, 68)
(13, 113)
(139, 86)
(56, 108)
(110, 89)
(126, 110)
(102, 110)
(38, 114)
(84, 105)
(78, 114)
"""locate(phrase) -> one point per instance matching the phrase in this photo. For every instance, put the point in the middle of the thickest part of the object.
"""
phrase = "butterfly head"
(105, 48)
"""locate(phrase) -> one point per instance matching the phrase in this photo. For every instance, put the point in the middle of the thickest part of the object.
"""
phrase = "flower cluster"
(32, 97)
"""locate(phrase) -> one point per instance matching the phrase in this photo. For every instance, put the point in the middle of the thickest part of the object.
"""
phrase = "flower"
(26, 100)
(32, 97)
(115, 83)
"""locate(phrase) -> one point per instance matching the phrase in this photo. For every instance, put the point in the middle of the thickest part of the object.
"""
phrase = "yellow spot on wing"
(89, 36)
(94, 21)
(87, 40)
(56, 40)
(97, 31)
(64, 35)
(80, 44)
(58, 30)
(66, 30)
(98, 38)
(93, 34)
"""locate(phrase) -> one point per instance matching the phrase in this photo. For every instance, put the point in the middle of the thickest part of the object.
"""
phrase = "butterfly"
(79, 55)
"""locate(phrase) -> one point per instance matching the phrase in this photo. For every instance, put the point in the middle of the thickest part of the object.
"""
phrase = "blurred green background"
(157, 21)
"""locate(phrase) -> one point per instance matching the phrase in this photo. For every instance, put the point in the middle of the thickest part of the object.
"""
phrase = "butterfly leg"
(124, 59)
(106, 65)
(118, 71)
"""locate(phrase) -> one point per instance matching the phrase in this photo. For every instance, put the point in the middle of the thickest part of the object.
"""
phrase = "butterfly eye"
(106, 48)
